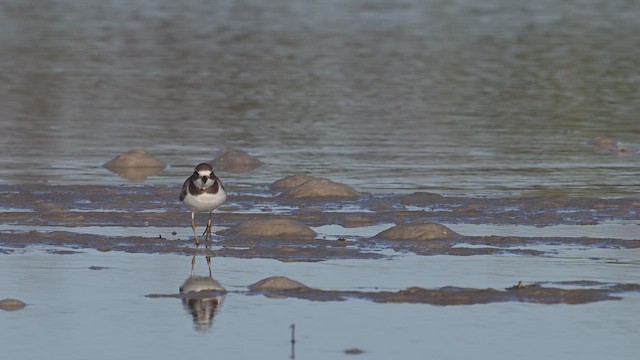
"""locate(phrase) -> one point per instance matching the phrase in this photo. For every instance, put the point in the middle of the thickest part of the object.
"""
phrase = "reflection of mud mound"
(420, 232)
(235, 161)
(202, 297)
(271, 228)
(11, 304)
(303, 187)
(276, 283)
(135, 165)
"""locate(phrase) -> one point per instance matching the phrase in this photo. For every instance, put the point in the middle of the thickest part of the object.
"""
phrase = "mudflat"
(63, 215)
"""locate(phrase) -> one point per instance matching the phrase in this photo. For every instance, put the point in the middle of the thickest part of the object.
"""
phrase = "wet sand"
(36, 215)
(74, 208)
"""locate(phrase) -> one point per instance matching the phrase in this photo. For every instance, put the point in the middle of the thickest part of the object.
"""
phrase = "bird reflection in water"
(202, 297)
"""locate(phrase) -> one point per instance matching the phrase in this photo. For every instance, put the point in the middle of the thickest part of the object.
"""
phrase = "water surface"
(72, 310)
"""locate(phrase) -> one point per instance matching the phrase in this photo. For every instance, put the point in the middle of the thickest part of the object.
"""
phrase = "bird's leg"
(209, 264)
(207, 231)
(193, 226)
(193, 264)
(209, 227)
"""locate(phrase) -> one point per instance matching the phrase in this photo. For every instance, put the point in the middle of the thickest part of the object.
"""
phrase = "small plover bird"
(202, 192)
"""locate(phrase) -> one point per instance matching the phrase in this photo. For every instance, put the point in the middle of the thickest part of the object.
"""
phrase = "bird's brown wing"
(185, 186)
(220, 183)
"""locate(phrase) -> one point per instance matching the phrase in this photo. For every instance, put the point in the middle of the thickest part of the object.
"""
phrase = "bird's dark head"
(202, 175)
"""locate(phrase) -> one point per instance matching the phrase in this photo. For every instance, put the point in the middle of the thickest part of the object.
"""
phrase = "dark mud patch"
(137, 205)
(295, 249)
(63, 252)
(93, 267)
(451, 295)
(586, 292)
(279, 249)
(354, 351)
(73, 208)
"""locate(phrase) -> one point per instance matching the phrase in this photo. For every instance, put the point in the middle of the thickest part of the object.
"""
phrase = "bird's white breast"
(205, 202)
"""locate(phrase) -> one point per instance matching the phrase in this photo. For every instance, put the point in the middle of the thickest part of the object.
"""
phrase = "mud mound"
(136, 164)
(235, 161)
(422, 232)
(136, 158)
(274, 283)
(291, 181)
(11, 304)
(271, 228)
(320, 188)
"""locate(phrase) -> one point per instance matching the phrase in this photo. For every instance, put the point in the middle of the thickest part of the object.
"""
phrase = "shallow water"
(72, 311)
(454, 97)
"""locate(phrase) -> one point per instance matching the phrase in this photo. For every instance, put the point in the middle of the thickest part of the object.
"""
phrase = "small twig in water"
(293, 333)
(293, 341)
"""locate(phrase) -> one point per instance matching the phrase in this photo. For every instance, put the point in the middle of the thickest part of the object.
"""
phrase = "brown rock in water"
(320, 188)
(603, 143)
(611, 145)
(11, 304)
(271, 228)
(277, 283)
(135, 165)
(422, 232)
(235, 161)
(624, 150)
(291, 181)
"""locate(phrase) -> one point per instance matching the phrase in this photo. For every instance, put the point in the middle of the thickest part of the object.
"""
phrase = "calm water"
(460, 97)
(77, 313)
(449, 96)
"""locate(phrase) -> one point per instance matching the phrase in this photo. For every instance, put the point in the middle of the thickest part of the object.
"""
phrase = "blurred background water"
(467, 97)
